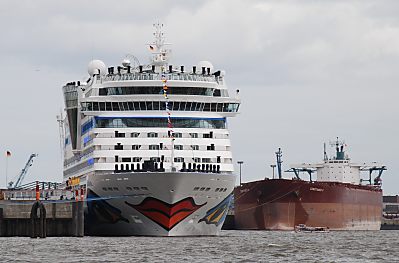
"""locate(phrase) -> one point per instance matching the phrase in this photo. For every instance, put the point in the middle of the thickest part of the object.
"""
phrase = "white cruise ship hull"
(158, 203)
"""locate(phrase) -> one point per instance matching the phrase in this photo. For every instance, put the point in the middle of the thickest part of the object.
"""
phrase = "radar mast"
(160, 55)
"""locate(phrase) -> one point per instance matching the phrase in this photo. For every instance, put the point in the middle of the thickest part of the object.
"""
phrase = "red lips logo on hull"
(164, 214)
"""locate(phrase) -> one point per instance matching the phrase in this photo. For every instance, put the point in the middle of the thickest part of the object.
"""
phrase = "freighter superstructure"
(151, 142)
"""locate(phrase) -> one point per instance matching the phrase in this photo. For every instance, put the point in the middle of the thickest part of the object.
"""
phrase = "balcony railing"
(155, 76)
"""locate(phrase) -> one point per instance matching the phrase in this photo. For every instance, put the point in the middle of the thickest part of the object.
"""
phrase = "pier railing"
(48, 191)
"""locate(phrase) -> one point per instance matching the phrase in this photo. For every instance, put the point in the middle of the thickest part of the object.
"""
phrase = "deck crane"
(21, 176)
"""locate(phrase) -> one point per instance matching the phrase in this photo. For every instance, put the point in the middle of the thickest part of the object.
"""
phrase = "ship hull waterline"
(157, 204)
(280, 204)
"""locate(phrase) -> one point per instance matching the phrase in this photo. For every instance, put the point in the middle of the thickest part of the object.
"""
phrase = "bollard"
(37, 191)
(38, 225)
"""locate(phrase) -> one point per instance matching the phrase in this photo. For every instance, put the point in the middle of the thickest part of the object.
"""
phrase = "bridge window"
(177, 135)
(136, 159)
(179, 159)
(135, 134)
(195, 147)
(179, 147)
(118, 146)
(153, 147)
(110, 122)
(136, 147)
(152, 135)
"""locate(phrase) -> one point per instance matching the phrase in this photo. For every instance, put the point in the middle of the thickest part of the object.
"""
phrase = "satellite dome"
(222, 73)
(205, 64)
(96, 67)
(126, 62)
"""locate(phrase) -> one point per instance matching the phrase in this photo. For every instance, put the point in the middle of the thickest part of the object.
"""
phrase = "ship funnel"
(194, 69)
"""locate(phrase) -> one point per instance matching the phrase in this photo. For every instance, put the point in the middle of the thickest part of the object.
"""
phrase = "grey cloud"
(308, 71)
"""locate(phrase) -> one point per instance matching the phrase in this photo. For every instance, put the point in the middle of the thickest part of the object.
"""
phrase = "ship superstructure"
(339, 168)
(151, 143)
(337, 199)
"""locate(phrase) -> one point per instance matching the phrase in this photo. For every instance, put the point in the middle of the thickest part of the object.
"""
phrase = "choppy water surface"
(231, 246)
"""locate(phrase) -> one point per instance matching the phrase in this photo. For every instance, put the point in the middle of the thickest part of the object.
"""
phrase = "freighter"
(150, 145)
(337, 200)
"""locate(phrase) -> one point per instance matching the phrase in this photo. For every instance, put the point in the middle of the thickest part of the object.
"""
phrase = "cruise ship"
(150, 145)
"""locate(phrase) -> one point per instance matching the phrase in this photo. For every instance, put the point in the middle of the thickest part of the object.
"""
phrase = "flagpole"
(6, 169)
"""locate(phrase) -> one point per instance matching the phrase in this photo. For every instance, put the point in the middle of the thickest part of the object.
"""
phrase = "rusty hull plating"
(280, 204)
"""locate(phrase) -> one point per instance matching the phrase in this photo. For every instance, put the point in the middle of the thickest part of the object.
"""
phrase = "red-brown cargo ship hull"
(279, 204)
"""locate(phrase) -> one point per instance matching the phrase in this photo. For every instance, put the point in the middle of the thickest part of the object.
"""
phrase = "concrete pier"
(37, 219)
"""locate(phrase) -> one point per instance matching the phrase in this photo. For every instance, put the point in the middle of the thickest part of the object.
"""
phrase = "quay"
(390, 217)
(41, 211)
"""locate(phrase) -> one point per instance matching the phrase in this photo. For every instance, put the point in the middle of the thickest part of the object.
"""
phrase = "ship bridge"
(339, 168)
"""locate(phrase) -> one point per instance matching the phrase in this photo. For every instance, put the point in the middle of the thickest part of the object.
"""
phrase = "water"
(231, 246)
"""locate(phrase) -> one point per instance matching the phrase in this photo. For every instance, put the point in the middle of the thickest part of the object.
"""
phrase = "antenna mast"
(279, 154)
(325, 153)
(160, 55)
(61, 127)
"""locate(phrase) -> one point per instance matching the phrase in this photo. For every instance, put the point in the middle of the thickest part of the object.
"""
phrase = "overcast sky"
(307, 71)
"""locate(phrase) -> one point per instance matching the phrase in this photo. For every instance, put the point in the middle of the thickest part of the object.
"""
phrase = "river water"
(231, 246)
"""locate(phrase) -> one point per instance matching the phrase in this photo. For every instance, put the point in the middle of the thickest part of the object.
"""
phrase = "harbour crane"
(21, 176)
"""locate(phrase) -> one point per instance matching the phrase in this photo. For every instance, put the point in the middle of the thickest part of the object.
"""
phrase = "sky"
(308, 71)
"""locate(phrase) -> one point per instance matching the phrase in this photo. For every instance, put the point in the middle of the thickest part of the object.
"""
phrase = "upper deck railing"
(157, 76)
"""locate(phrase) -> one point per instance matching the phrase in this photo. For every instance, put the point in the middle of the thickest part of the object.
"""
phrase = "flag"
(8, 153)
